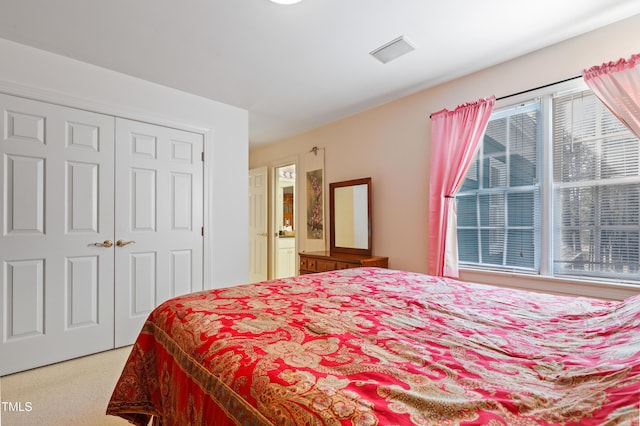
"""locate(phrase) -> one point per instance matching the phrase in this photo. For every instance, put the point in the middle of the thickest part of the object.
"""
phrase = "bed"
(373, 346)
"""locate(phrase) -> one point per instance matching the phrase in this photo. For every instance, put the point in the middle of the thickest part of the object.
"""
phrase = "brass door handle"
(121, 243)
(105, 243)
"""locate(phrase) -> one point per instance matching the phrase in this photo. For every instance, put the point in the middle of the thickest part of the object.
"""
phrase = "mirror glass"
(350, 210)
(351, 217)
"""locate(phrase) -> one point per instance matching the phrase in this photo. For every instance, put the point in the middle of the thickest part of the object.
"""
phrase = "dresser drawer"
(312, 265)
(325, 265)
(346, 265)
(324, 261)
(308, 265)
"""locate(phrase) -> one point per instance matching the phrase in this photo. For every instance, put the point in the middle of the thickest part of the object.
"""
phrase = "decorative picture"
(315, 227)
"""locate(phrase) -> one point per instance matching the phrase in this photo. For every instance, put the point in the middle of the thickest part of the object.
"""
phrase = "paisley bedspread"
(372, 346)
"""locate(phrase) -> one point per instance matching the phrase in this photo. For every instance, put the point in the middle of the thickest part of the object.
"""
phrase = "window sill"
(561, 286)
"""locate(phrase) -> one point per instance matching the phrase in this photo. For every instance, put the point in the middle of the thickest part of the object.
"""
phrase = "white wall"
(31, 72)
(390, 144)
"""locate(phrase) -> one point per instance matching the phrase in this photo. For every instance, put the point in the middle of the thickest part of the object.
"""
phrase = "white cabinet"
(286, 257)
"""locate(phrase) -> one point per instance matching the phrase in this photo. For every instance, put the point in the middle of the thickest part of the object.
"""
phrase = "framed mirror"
(350, 216)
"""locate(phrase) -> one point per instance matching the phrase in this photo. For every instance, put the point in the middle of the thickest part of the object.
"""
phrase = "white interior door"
(56, 170)
(159, 219)
(258, 236)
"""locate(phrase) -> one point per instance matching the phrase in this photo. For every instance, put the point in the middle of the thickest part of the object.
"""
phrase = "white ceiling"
(297, 67)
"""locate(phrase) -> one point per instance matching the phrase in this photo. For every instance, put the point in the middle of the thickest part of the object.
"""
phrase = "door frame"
(118, 110)
(272, 227)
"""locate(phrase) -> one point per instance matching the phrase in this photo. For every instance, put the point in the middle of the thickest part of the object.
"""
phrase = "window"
(580, 216)
(596, 181)
(499, 201)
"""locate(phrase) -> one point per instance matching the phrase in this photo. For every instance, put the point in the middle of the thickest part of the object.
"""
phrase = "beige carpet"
(70, 393)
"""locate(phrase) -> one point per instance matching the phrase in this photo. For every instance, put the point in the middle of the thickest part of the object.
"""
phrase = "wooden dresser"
(322, 261)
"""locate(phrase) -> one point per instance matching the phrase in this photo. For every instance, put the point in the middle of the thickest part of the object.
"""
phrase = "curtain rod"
(539, 87)
(535, 88)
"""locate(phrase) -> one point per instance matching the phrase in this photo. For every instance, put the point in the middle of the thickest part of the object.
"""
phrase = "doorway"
(285, 221)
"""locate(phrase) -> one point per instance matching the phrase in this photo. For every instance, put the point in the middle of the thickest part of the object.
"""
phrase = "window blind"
(596, 185)
(498, 203)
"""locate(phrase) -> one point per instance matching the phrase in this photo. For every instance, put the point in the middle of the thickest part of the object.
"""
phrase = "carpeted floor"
(71, 393)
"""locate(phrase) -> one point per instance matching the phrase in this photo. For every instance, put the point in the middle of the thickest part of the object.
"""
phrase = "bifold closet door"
(57, 184)
(159, 219)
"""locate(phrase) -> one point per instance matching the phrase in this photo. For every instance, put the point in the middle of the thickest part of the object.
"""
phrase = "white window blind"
(596, 186)
(498, 203)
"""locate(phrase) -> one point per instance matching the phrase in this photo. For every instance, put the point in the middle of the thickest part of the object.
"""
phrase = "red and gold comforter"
(374, 346)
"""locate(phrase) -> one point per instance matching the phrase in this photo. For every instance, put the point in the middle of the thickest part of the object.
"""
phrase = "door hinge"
(202, 156)
(202, 231)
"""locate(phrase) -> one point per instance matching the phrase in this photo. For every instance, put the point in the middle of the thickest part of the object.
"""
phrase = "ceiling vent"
(392, 50)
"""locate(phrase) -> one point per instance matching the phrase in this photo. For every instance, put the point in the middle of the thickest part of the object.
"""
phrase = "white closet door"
(56, 173)
(258, 235)
(159, 173)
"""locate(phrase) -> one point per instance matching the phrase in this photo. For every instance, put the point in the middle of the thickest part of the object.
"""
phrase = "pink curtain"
(617, 85)
(454, 140)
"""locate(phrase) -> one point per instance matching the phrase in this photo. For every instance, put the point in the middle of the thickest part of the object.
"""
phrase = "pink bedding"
(373, 346)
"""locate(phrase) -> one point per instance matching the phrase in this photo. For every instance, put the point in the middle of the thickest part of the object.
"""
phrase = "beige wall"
(390, 143)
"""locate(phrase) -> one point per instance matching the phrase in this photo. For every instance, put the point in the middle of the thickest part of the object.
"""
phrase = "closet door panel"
(56, 169)
(82, 291)
(24, 286)
(24, 195)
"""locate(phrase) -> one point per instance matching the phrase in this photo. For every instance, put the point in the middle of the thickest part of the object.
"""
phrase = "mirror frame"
(332, 234)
